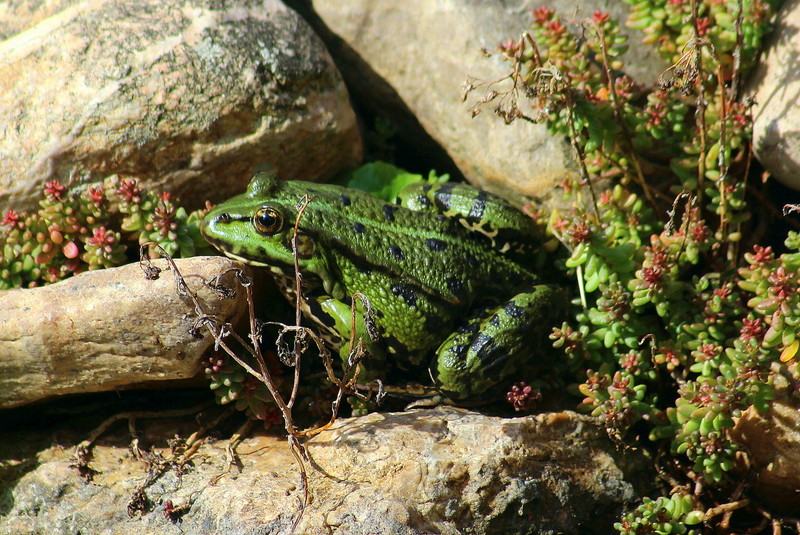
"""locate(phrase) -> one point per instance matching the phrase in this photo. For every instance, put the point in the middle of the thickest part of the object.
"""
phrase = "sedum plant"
(682, 317)
(92, 226)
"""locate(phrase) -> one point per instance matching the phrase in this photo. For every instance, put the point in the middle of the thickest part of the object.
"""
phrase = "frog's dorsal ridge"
(263, 184)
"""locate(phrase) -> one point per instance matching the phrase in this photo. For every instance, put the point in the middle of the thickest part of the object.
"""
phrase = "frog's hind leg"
(497, 343)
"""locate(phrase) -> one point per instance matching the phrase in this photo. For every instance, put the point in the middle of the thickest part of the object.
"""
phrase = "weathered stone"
(182, 95)
(24, 14)
(772, 441)
(105, 329)
(775, 85)
(444, 471)
(410, 60)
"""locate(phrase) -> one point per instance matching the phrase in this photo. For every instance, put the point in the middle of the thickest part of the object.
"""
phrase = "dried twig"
(221, 331)
(298, 280)
(700, 111)
(233, 443)
(617, 107)
(737, 51)
(84, 448)
(725, 508)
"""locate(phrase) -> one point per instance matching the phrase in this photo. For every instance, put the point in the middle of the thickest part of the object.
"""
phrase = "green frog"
(446, 271)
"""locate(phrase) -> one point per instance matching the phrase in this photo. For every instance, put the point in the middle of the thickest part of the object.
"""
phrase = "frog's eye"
(267, 221)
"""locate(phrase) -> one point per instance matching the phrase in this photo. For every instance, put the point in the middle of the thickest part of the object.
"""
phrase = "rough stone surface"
(773, 443)
(182, 95)
(24, 14)
(776, 86)
(105, 329)
(410, 60)
(445, 471)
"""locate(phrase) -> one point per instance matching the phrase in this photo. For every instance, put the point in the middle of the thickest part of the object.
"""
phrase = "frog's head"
(257, 227)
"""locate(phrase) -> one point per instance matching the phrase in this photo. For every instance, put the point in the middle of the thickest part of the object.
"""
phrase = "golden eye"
(267, 221)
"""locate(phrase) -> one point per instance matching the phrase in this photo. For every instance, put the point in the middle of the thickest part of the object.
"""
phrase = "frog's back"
(430, 252)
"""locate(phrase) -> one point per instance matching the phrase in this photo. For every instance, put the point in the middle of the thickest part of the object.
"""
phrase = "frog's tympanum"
(446, 271)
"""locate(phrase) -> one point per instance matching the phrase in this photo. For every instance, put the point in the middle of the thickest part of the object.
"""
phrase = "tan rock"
(182, 95)
(444, 470)
(410, 60)
(106, 329)
(775, 85)
(772, 441)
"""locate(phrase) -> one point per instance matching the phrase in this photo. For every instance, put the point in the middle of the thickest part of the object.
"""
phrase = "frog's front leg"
(497, 343)
(338, 318)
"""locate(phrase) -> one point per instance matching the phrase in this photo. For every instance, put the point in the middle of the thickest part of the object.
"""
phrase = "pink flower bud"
(70, 250)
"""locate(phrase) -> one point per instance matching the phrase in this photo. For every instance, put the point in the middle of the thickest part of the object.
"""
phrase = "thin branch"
(356, 353)
(298, 313)
(84, 448)
(219, 331)
(216, 332)
(617, 107)
(700, 112)
(301, 457)
(108, 422)
(234, 441)
(727, 507)
(737, 52)
(573, 137)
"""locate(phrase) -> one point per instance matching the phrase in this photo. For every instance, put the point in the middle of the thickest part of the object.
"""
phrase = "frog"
(446, 271)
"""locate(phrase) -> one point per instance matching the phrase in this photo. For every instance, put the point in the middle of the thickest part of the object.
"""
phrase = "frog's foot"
(411, 391)
(429, 402)
(425, 396)
(497, 343)
(422, 396)
(440, 399)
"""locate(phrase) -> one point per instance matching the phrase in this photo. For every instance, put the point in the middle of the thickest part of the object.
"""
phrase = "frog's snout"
(212, 227)
(205, 225)
(213, 220)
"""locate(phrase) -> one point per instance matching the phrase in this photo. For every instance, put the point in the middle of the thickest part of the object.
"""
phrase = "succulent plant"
(663, 516)
(674, 332)
(91, 226)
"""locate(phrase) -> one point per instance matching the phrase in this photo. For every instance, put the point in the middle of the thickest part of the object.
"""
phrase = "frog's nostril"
(224, 218)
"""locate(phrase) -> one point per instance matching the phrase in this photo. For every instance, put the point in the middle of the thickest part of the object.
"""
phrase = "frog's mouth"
(245, 259)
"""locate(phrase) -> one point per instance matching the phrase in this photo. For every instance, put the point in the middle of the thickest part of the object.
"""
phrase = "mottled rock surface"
(773, 443)
(106, 329)
(409, 61)
(182, 95)
(443, 471)
(776, 87)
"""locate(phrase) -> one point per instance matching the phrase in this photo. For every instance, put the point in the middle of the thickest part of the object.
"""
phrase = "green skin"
(444, 271)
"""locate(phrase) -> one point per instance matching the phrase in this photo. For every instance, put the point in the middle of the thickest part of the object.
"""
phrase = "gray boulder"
(183, 96)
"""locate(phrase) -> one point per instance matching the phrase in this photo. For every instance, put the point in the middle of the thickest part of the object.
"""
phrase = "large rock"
(182, 95)
(775, 85)
(410, 60)
(772, 442)
(444, 471)
(107, 329)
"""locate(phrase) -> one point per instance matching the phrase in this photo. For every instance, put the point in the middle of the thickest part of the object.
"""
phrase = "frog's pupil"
(267, 221)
